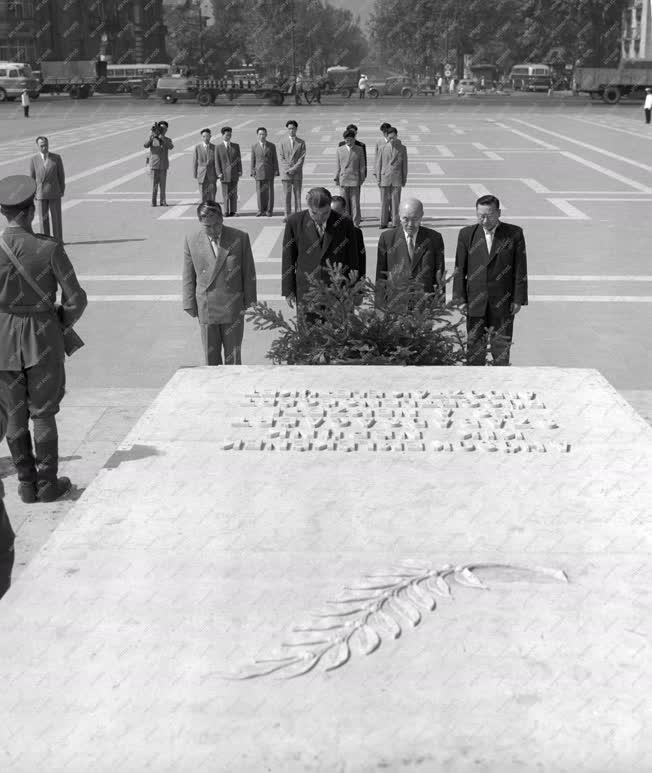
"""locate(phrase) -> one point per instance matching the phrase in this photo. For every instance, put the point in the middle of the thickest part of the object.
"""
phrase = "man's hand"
(191, 312)
(463, 307)
(515, 308)
(291, 299)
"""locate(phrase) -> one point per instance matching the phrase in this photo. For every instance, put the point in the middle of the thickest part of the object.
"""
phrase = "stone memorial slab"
(462, 585)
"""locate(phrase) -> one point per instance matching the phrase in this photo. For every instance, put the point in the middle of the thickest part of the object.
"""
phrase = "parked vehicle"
(137, 79)
(396, 85)
(80, 78)
(205, 90)
(343, 80)
(14, 77)
(612, 83)
(466, 86)
(531, 77)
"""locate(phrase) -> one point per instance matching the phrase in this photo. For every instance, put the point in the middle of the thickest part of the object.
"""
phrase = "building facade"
(637, 31)
(129, 31)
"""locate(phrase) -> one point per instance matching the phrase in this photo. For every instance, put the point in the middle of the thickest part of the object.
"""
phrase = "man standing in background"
(203, 167)
(264, 167)
(292, 153)
(47, 170)
(228, 165)
(159, 162)
(350, 173)
(391, 171)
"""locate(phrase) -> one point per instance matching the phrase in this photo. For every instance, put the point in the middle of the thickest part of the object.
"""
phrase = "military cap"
(17, 190)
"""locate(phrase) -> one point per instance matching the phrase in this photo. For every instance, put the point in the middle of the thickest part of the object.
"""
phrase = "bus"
(531, 77)
(124, 78)
(14, 77)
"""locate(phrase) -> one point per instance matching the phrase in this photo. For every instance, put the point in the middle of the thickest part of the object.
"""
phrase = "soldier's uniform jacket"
(28, 329)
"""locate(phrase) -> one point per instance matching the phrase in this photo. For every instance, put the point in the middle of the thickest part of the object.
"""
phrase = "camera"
(155, 129)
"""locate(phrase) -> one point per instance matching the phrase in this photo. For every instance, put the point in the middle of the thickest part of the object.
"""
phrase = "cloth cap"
(17, 190)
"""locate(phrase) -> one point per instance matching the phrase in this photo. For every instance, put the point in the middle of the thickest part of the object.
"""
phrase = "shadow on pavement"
(7, 468)
(131, 455)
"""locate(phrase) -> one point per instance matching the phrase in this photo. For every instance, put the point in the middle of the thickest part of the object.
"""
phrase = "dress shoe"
(260, 214)
(154, 204)
(164, 204)
(27, 492)
(269, 214)
(49, 491)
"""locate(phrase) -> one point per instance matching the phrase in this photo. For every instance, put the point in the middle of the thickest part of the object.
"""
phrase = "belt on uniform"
(27, 311)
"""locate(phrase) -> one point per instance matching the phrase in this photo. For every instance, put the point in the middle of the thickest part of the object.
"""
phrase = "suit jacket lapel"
(419, 246)
(328, 238)
(218, 262)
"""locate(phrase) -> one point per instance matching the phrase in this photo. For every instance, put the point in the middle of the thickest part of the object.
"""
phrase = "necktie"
(320, 231)
(411, 246)
(490, 239)
(292, 143)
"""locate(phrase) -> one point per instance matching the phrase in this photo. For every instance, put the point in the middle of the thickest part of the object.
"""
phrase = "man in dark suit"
(264, 167)
(338, 205)
(414, 248)
(219, 283)
(228, 165)
(311, 238)
(203, 166)
(159, 161)
(490, 282)
(32, 350)
(47, 170)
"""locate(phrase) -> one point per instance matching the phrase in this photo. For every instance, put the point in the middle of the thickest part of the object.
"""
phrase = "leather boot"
(50, 487)
(20, 448)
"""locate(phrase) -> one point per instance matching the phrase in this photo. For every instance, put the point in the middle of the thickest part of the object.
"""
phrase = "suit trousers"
(159, 179)
(292, 188)
(390, 201)
(501, 337)
(648, 114)
(352, 196)
(216, 337)
(230, 197)
(207, 189)
(45, 208)
(265, 195)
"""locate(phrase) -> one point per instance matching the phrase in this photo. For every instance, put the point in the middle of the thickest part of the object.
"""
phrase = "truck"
(610, 84)
(80, 78)
(205, 91)
(343, 80)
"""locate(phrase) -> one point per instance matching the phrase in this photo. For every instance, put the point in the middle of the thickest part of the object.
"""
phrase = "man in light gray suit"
(219, 283)
(203, 167)
(350, 173)
(391, 171)
(47, 170)
(292, 154)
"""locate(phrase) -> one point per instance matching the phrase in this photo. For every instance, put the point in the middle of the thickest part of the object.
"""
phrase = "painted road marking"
(266, 241)
(480, 190)
(493, 156)
(444, 151)
(607, 172)
(532, 298)
(535, 185)
(588, 146)
(434, 168)
(526, 136)
(479, 146)
(569, 209)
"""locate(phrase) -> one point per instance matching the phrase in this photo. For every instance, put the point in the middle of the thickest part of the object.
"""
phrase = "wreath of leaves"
(377, 606)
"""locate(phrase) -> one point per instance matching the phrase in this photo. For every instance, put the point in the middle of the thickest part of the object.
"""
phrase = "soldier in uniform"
(32, 339)
(159, 147)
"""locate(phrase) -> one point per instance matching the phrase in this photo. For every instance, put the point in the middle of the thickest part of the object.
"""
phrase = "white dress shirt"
(648, 102)
(489, 237)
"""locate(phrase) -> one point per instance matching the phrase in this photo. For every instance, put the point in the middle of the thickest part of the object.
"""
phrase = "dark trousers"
(390, 201)
(501, 337)
(361, 93)
(207, 189)
(230, 197)
(265, 195)
(6, 549)
(159, 179)
(648, 114)
(26, 110)
(227, 337)
(292, 189)
(46, 208)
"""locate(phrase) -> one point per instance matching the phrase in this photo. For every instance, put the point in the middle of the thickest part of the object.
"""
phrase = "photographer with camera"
(158, 162)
